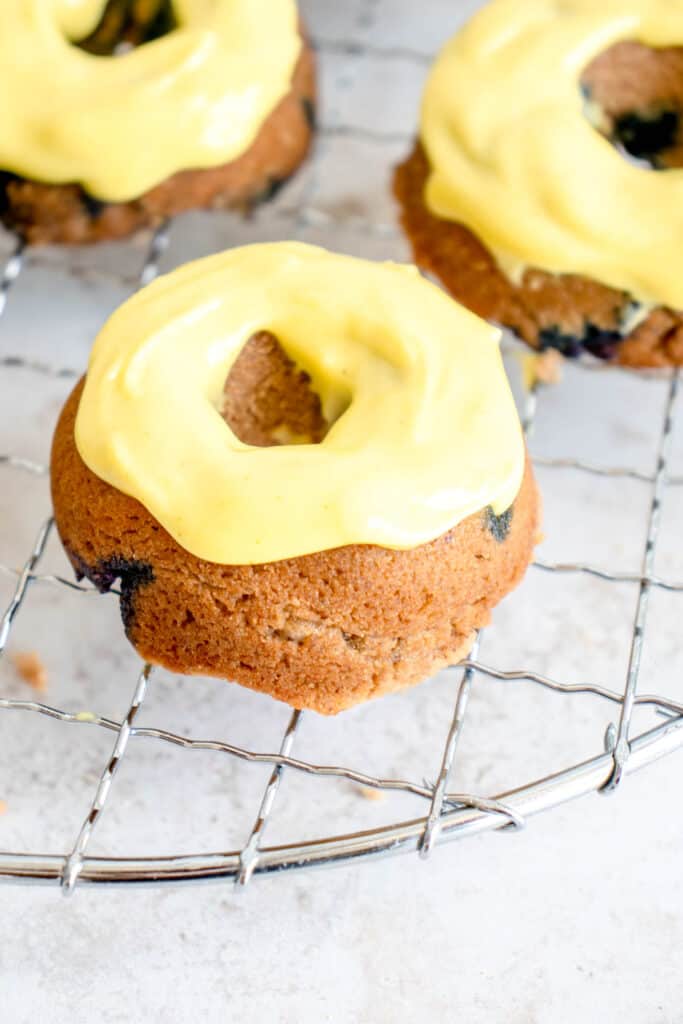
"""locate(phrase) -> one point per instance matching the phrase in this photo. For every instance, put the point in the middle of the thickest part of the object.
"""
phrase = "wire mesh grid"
(311, 209)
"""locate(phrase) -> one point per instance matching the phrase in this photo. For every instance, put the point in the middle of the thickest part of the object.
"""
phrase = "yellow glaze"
(424, 430)
(514, 157)
(120, 125)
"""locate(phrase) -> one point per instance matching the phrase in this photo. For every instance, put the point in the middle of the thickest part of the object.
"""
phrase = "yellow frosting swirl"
(424, 429)
(120, 125)
(514, 158)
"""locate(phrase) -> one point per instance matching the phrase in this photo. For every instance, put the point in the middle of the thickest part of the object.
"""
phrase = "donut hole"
(126, 24)
(268, 400)
(634, 97)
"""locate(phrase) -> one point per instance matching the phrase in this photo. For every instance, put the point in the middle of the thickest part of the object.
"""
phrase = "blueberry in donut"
(318, 490)
(130, 111)
(545, 189)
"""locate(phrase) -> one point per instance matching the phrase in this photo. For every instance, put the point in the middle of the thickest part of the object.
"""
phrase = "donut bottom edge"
(324, 631)
(43, 213)
(567, 312)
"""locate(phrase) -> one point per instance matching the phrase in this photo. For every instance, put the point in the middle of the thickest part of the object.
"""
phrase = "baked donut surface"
(322, 631)
(568, 312)
(634, 97)
(67, 213)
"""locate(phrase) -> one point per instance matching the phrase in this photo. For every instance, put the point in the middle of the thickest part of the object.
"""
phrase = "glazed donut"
(218, 111)
(518, 202)
(321, 573)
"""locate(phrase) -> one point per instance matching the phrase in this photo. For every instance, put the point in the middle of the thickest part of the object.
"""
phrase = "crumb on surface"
(32, 670)
(369, 793)
(3, 807)
(542, 368)
(549, 367)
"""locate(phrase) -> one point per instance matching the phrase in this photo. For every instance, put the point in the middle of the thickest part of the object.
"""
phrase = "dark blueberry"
(133, 577)
(308, 107)
(104, 574)
(600, 342)
(552, 337)
(498, 526)
(6, 179)
(647, 135)
(94, 206)
(272, 188)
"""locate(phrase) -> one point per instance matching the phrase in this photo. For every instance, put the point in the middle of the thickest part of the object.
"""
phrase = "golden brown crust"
(323, 631)
(569, 311)
(64, 214)
(566, 311)
(267, 399)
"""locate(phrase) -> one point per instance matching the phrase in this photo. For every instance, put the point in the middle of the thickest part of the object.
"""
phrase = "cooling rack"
(369, 79)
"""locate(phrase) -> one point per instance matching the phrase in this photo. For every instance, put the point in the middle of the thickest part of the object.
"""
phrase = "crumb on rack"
(32, 670)
(368, 793)
(542, 368)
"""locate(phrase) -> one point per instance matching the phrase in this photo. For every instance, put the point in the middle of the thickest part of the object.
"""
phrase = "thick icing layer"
(424, 431)
(120, 125)
(514, 157)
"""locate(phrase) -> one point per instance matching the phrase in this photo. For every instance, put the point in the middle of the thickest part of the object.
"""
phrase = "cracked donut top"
(514, 156)
(420, 432)
(118, 125)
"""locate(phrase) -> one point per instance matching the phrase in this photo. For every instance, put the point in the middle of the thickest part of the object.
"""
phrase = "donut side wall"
(567, 312)
(639, 91)
(66, 214)
(323, 631)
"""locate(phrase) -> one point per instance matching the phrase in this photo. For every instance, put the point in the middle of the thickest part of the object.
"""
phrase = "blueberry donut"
(546, 187)
(318, 489)
(130, 111)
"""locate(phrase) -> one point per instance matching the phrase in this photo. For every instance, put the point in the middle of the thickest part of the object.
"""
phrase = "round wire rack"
(367, 82)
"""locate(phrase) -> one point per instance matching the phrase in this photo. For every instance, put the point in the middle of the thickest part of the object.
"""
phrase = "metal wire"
(448, 813)
(23, 583)
(73, 865)
(444, 818)
(605, 574)
(433, 821)
(443, 804)
(13, 267)
(620, 748)
(250, 852)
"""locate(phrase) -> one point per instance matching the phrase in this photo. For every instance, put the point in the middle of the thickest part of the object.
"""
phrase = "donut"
(305, 469)
(118, 115)
(545, 189)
